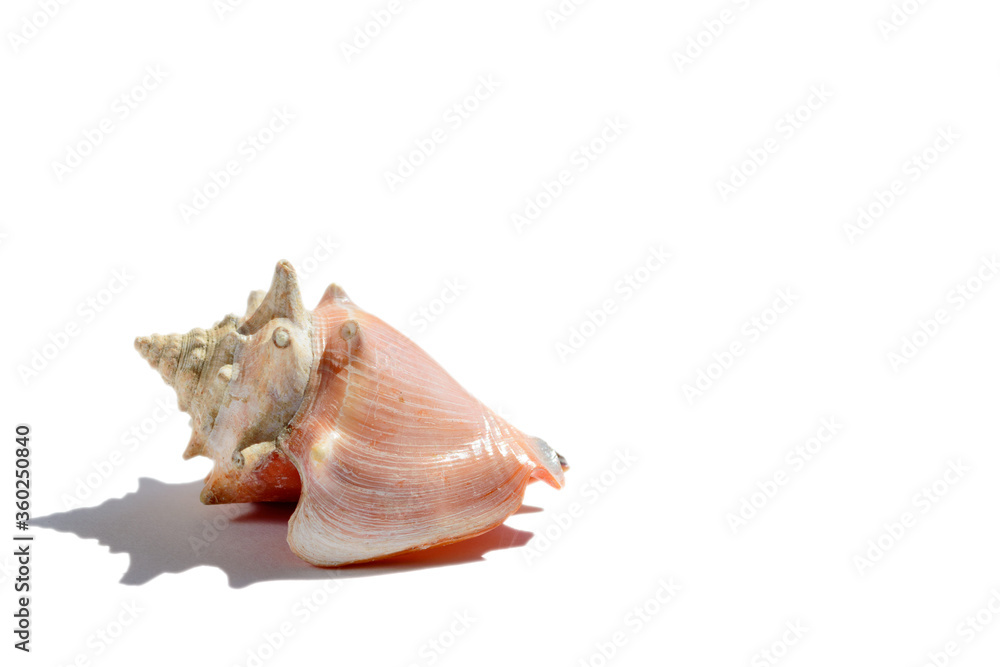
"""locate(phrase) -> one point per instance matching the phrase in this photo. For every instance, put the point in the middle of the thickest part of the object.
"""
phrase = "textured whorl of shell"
(384, 451)
(242, 382)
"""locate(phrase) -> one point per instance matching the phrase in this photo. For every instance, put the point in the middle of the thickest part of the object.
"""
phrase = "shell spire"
(179, 358)
(198, 366)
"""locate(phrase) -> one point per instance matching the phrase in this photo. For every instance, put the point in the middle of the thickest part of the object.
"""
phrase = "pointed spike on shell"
(253, 302)
(194, 447)
(335, 293)
(283, 299)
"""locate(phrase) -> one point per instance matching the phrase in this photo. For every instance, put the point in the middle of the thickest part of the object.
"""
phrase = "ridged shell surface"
(393, 453)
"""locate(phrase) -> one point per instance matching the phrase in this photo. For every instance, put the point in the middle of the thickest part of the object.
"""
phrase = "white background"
(524, 290)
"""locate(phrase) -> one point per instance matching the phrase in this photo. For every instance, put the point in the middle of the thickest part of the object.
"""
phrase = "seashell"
(383, 450)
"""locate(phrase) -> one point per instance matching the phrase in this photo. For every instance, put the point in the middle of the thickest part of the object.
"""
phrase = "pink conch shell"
(384, 451)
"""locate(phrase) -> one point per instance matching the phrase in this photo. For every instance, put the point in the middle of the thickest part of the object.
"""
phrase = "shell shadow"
(165, 529)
